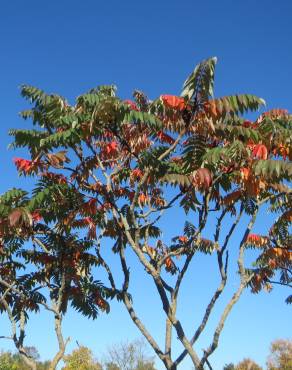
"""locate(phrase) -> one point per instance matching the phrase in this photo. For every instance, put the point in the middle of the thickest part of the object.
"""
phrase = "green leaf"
(147, 119)
(194, 152)
(177, 179)
(200, 83)
(273, 169)
(65, 139)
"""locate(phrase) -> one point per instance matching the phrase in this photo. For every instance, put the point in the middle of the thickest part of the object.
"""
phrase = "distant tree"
(111, 366)
(229, 366)
(45, 365)
(129, 356)
(81, 359)
(7, 361)
(280, 355)
(247, 364)
(13, 361)
(32, 352)
(145, 366)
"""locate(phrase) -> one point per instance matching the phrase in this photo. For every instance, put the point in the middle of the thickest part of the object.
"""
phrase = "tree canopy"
(106, 168)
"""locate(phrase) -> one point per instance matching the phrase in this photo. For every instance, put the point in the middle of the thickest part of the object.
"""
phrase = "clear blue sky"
(70, 46)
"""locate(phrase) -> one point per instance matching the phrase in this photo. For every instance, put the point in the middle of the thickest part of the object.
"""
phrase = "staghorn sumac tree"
(104, 167)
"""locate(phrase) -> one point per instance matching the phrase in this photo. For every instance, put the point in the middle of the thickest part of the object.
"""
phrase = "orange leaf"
(183, 239)
(26, 165)
(15, 217)
(276, 113)
(260, 151)
(165, 138)
(232, 197)
(245, 173)
(36, 216)
(202, 178)
(173, 102)
(257, 240)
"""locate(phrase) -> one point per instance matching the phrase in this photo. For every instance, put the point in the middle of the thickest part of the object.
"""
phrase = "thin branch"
(5, 337)
(146, 174)
(160, 209)
(192, 242)
(244, 280)
(279, 283)
(174, 296)
(221, 323)
(222, 285)
(164, 357)
(235, 223)
(103, 263)
(40, 243)
(204, 320)
(18, 341)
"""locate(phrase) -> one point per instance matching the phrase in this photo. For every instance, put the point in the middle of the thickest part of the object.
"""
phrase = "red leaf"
(111, 148)
(142, 198)
(232, 197)
(23, 164)
(247, 124)
(91, 228)
(89, 208)
(26, 165)
(170, 266)
(15, 217)
(165, 138)
(131, 104)
(58, 178)
(202, 178)
(245, 173)
(260, 151)
(20, 217)
(137, 174)
(183, 239)
(36, 216)
(257, 240)
(173, 102)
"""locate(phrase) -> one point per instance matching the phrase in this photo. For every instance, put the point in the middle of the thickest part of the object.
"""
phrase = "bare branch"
(244, 280)
(62, 344)
(58, 325)
(164, 357)
(40, 243)
(221, 323)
